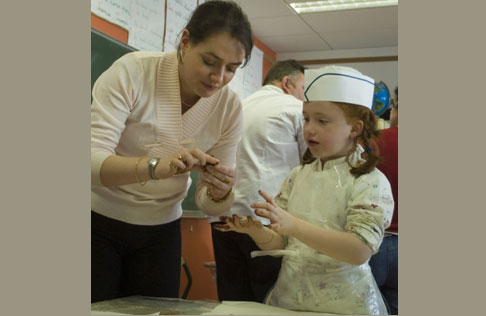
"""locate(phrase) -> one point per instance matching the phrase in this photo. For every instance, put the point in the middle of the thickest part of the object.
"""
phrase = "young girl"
(332, 211)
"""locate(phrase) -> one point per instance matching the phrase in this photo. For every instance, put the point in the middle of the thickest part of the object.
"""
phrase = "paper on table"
(253, 308)
(113, 313)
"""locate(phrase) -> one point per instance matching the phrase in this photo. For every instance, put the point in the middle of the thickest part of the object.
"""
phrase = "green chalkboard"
(104, 51)
(189, 203)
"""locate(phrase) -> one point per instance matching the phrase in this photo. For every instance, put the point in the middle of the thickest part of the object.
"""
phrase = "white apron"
(331, 198)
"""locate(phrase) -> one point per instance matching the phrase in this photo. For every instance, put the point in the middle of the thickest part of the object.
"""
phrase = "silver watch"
(152, 163)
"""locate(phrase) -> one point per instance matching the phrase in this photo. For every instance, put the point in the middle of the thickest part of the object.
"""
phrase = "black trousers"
(131, 259)
(238, 276)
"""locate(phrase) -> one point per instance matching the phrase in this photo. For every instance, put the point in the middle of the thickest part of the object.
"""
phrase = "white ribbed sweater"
(136, 103)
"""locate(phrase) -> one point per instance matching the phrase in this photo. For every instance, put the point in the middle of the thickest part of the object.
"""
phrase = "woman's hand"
(281, 221)
(219, 179)
(184, 160)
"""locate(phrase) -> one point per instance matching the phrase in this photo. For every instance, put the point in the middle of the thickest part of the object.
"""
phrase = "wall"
(109, 28)
(269, 56)
(197, 248)
(379, 63)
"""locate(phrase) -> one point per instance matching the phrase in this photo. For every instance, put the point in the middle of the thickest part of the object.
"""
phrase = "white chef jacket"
(272, 145)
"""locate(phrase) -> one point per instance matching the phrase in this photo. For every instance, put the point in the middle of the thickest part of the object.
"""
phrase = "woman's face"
(209, 65)
(326, 130)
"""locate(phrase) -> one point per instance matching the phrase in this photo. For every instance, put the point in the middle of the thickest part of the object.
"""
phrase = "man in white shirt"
(272, 145)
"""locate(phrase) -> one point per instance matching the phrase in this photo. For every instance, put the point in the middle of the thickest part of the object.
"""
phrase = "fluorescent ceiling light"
(336, 5)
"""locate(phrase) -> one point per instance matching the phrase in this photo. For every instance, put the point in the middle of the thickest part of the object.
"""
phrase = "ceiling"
(276, 24)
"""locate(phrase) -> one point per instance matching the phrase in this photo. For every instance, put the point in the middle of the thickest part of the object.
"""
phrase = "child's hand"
(245, 225)
(281, 221)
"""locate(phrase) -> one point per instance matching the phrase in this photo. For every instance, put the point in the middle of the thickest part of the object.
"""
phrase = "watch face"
(152, 163)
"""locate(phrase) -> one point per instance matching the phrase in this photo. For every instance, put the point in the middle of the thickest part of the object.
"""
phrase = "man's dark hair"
(289, 67)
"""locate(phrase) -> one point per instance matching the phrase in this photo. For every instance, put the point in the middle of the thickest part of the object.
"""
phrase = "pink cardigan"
(136, 112)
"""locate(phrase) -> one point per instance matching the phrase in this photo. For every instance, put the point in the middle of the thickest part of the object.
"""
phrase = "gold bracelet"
(136, 171)
(266, 242)
(208, 192)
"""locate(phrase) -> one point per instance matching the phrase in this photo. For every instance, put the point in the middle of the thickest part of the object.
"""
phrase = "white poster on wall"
(253, 72)
(236, 84)
(249, 78)
(178, 14)
(146, 30)
(115, 11)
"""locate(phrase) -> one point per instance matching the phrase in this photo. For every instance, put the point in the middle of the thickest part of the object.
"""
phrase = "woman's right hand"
(184, 160)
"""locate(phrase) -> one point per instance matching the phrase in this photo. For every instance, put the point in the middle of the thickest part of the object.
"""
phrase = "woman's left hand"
(219, 179)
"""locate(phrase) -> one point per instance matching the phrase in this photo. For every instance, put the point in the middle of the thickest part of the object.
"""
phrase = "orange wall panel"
(197, 248)
(110, 29)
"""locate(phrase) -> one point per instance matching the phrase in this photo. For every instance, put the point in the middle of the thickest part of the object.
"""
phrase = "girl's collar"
(355, 160)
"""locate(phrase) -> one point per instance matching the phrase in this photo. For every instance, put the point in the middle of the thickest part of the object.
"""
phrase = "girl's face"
(326, 130)
(209, 65)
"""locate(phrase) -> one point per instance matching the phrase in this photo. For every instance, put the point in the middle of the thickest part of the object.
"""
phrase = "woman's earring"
(180, 55)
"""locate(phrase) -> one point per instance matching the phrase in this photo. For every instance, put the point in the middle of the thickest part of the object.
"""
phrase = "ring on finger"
(172, 168)
(180, 156)
(227, 180)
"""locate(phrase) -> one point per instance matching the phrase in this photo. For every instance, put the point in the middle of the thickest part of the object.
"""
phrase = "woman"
(155, 117)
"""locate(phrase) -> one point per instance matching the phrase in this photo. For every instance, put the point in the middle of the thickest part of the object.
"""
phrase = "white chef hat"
(338, 84)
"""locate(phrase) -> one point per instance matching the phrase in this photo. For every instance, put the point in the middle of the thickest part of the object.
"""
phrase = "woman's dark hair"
(367, 138)
(216, 16)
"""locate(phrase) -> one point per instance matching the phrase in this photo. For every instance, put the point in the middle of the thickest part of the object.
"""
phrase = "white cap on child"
(338, 84)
